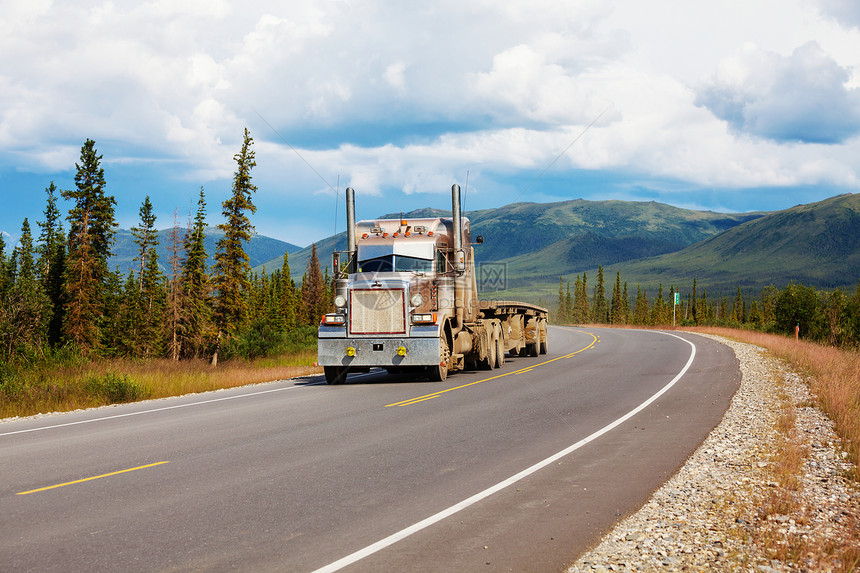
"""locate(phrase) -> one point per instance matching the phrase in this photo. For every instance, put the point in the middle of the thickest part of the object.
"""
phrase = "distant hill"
(260, 248)
(816, 244)
(549, 239)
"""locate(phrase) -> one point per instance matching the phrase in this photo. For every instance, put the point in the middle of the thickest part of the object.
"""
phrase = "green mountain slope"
(260, 248)
(816, 244)
(549, 239)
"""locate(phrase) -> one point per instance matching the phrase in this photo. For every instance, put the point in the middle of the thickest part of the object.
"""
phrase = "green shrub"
(114, 388)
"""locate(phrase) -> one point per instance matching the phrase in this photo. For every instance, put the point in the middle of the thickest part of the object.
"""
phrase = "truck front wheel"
(439, 372)
(336, 374)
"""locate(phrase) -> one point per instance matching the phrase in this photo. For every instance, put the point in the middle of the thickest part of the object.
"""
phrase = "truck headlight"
(340, 301)
(429, 318)
(334, 319)
(416, 299)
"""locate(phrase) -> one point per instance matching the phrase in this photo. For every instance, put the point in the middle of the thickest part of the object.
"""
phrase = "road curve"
(520, 468)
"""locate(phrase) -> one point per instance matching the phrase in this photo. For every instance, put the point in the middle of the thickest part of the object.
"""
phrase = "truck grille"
(377, 311)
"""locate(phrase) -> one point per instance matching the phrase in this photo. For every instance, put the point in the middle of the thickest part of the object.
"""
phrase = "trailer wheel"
(543, 341)
(489, 362)
(439, 372)
(336, 374)
(500, 354)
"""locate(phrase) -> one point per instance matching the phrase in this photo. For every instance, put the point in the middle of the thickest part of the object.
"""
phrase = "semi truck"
(406, 300)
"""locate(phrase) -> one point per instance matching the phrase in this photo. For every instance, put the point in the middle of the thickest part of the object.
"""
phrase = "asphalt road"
(516, 469)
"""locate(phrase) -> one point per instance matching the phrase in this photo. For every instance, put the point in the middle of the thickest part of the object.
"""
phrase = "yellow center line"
(520, 371)
(91, 478)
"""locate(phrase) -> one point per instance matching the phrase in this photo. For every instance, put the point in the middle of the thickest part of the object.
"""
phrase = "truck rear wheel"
(500, 354)
(489, 362)
(336, 374)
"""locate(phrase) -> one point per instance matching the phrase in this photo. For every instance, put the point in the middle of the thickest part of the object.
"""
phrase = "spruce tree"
(196, 319)
(580, 301)
(52, 263)
(146, 239)
(3, 283)
(617, 315)
(568, 304)
(313, 290)
(24, 313)
(175, 304)
(232, 266)
(288, 300)
(625, 303)
(658, 311)
(600, 312)
(562, 316)
(26, 265)
(91, 234)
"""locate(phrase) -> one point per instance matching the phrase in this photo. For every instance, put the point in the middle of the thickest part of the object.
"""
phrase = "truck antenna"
(465, 190)
(296, 151)
(335, 211)
(563, 151)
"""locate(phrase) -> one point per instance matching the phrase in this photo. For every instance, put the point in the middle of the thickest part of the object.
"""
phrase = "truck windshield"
(395, 263)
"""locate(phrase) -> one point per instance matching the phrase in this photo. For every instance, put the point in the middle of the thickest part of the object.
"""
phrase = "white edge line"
(153, 410)
(402, 534)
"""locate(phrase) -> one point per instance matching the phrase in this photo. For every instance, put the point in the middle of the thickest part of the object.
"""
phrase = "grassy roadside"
(833, 375)
(76, 384)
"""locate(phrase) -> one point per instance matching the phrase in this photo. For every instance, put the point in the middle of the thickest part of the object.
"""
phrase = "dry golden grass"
(72, 388)
(833, 374)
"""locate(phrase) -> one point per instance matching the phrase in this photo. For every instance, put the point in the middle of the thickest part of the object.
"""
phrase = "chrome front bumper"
(378, 351)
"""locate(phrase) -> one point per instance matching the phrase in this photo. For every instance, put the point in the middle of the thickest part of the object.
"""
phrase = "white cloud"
(508, 86)
(802, 97)
(846, 12)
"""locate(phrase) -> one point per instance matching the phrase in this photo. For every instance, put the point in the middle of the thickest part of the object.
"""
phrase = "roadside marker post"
(675, 304)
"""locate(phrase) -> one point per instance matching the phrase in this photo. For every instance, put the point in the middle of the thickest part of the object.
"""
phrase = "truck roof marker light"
(403, 223)
(384, 235)
(364, 235)
(396, 234)
(429, 233)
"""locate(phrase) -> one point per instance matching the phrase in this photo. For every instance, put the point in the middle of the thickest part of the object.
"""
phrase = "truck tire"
(439, 372)
(489, 362)
(500, 347)
(543, 342)
(533, 348)
(336, 374)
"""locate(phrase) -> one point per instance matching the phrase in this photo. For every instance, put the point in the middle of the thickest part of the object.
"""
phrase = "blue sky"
(739, 105)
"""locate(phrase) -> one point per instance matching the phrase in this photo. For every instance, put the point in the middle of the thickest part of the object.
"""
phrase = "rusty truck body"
(406, 299)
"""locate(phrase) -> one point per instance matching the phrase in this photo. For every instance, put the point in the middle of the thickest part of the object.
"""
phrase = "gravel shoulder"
(732, 507)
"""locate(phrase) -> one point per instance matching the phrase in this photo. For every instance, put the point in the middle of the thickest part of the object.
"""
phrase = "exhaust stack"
(350, 230)
(459, 254)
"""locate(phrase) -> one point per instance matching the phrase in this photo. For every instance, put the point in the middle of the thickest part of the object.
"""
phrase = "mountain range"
(648, 243)
(260, 249)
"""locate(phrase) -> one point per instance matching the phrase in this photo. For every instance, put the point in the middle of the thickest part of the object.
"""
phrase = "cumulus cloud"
(847, 12)
(390, 95)
(802, 97)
